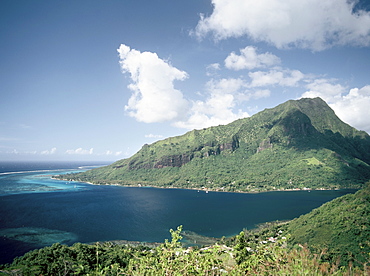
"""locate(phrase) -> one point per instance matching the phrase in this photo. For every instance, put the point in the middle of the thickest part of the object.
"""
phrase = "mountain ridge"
(297, 144)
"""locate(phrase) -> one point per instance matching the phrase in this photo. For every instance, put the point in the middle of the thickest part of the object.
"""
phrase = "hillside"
(298, 144)
(342, 226)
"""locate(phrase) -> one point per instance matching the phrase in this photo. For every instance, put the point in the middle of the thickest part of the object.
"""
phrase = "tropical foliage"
(342, 226)
(243, 256)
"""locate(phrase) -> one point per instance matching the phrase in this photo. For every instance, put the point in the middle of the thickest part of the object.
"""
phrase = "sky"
(96, 80)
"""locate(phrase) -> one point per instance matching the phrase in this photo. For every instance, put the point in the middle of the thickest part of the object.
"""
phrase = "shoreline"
(203, 189)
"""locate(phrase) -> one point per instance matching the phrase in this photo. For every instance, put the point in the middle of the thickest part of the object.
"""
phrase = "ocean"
(37, 211)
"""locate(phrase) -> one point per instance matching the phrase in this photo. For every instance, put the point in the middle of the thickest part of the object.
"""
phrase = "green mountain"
(298, 144)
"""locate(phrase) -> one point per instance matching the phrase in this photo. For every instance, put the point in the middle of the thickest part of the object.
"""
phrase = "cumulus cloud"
(218, 107)
(327, 89)
(225, 86)
(154, 98)
(311, 24)
(205, 114)
(80, 151)
(281, 77)
(49, 152)
(249, 59)
(353, 108)
(350, 106)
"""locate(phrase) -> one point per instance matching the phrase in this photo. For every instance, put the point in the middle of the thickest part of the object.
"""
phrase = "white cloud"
(218, 107)
(228, 86)
(354, 108)
(281, 77)
(26, 152)
(212, 69)
(263, 93)
(312, 24)
(49, 152)
(205, 114)
(80, 151)
(114, 153)
(153, 135)
(154, 97)
(249, 59)
(327, 89)
(351, 107)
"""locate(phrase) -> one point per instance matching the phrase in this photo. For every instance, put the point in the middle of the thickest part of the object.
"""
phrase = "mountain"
(296, 145)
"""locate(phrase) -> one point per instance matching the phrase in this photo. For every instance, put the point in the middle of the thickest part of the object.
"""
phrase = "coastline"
(206, 190)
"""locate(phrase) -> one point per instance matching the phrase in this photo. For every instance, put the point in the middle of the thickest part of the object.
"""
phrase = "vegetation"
(342, 226)
(331, 240)
(243, 256)
(298, 144)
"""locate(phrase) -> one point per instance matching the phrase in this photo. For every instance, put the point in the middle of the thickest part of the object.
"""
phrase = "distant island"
(298, 145)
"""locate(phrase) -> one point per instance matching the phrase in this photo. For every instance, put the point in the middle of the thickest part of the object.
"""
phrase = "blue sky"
(95, 80)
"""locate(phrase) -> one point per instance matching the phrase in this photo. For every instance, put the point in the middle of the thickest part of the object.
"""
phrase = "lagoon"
(37, 211)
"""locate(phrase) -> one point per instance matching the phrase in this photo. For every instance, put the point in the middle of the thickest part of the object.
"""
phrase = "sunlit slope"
(298, 144)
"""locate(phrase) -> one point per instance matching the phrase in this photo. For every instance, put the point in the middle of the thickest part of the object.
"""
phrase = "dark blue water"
(36, 210)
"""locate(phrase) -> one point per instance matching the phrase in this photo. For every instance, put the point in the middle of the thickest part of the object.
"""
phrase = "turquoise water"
(35, 177)
(37, 211)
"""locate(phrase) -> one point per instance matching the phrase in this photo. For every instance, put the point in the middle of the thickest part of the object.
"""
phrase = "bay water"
(36, 210)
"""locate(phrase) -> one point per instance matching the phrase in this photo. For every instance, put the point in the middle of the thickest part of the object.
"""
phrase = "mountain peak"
(298, 144)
